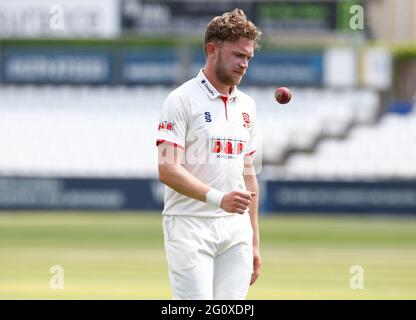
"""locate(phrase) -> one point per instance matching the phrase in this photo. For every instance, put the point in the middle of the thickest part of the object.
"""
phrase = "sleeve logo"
(166, 126)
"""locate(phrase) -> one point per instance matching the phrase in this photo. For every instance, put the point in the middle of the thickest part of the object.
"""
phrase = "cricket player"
(206, 144)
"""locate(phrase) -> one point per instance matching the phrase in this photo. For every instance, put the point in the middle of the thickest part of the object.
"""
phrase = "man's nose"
(244, 64)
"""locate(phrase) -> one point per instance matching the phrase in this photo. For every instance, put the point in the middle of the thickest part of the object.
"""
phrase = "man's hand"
(237, 201)
(256, 266)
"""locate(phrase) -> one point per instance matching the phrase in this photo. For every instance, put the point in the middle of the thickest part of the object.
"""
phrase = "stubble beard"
(223, 74)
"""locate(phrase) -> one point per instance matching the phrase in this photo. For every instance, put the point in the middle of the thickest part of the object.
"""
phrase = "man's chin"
(237, 81)
(232, 82)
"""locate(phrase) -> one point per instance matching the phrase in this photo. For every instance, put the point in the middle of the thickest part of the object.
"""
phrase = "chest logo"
(246, 119)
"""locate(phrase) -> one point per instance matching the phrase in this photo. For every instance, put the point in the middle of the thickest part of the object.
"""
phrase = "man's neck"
(222, 88)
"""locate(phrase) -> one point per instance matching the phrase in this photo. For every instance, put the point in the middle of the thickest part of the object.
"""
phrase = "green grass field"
(120, 256)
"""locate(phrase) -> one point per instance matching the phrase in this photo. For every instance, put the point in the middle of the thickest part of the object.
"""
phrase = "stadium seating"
(67, 131)
(311, 115)
(110, 131)
(383, 151)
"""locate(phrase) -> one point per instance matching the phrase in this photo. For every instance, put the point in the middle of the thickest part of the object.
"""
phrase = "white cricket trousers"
(209, 258)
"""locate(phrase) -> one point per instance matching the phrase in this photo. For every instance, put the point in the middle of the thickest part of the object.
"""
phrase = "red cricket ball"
(283, 95)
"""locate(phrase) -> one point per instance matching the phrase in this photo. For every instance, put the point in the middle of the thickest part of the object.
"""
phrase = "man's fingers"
(255, 274)
(242, 201)
(256, 269)
(254, 277)
(246, 195)
(241, 206)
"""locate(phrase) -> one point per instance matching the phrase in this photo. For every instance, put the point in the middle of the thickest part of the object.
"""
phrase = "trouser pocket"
(168, 225)
(181, 251)
(181, 254)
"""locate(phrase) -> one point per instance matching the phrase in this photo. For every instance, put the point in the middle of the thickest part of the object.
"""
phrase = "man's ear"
(211, 49)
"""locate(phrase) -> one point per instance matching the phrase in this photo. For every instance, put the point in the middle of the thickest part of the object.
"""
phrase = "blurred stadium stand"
(369, 153)
(110, 131)
(79, 131)
(314, 114)
(83, 101)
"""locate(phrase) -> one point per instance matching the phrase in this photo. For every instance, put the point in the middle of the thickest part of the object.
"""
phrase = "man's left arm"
(250, 180)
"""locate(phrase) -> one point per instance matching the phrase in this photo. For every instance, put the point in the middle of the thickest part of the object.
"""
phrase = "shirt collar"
(210, 90)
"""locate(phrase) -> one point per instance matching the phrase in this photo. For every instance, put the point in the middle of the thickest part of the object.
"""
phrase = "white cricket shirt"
(216, 133)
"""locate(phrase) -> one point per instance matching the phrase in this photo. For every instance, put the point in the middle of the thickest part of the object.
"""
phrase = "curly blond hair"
(231, 26)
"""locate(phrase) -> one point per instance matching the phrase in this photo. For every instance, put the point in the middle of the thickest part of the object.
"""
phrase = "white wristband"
(214, 197)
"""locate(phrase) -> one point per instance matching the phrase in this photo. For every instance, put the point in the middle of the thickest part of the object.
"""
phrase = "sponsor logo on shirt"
(166, 126)
(227, 148)
(203, 81)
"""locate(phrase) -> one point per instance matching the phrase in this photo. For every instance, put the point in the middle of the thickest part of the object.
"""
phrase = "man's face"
(232, 60)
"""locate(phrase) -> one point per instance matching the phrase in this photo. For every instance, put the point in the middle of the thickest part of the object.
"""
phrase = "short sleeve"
(172, 122)
(251, 146)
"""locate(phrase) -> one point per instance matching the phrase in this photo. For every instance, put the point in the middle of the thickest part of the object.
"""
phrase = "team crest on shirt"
(246, 119)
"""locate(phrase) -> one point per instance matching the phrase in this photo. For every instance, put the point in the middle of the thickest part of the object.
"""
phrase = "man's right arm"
(175, 176)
